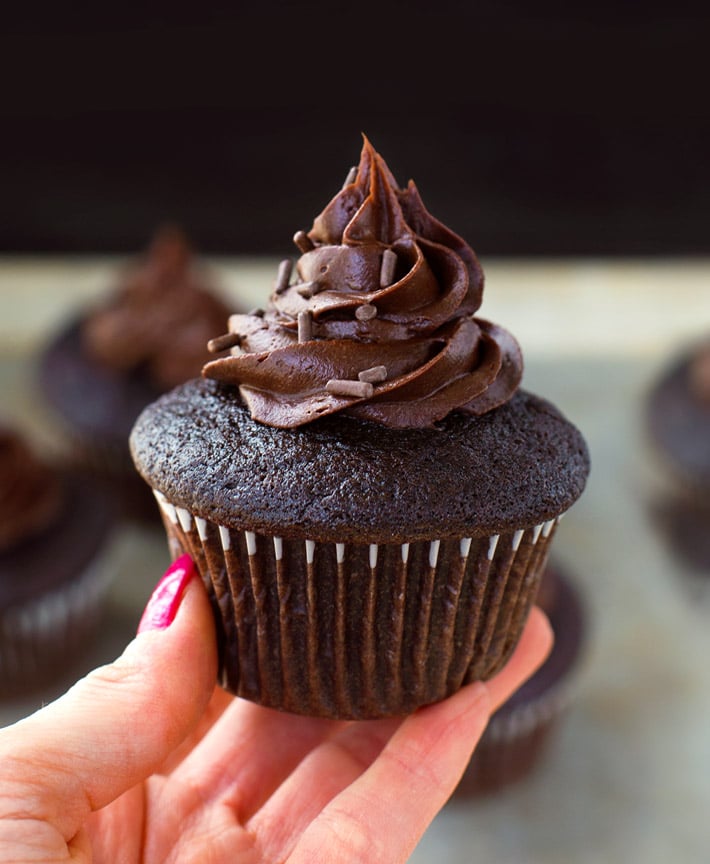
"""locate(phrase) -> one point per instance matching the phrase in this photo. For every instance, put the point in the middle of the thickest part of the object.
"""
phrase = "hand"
(145, 761)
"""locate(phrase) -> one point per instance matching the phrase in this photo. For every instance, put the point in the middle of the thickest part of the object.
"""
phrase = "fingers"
(116, 726)
(321, 776)
(382, 814)
(218, 704)
(248, 753)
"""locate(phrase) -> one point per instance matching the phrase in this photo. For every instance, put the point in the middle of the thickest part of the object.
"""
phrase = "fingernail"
(165, 600)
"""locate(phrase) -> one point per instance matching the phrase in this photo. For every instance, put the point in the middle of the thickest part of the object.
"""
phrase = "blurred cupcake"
(108, 362)
(678, 427)
(685, 527)
(522, 731)
(53, 529)
(678, 420)
(367, 493)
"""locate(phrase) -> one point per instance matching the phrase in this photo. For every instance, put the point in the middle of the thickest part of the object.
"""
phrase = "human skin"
(144, 760)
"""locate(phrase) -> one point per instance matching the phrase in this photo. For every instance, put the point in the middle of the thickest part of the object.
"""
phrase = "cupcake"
(685, 527)
(522, 731)
(53, 530)
(678, 421)
(108, 362)
(367, 492)
(678, 428)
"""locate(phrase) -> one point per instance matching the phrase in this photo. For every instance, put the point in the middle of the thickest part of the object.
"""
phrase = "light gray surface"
(628, 777)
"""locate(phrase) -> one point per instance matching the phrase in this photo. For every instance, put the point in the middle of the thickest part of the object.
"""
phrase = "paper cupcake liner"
(40, 638)
(519, 734)
(514, 743)
(357, 631)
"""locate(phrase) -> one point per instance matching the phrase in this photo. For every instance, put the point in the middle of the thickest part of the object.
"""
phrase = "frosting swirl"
(29, 491)
(160, 317)
(378, 323)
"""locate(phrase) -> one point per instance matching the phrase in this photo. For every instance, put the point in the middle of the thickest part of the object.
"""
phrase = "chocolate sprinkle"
(373, 375)
(303, 241)
(389, 265)
(345, 387)
(366, 312)
(305, 326)
(221, 343)
(283, 276)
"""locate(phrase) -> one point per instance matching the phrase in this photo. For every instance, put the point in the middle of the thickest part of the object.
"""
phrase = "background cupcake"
(521, 732)
(53, 530)
(678, 420)
(106, 363)
(678, 429)
(367, 493)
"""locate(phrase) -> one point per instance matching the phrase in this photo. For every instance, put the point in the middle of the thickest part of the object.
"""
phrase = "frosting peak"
(160, 317)
(378, 323)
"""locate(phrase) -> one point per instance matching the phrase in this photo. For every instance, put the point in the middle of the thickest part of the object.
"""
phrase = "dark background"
(542, 128)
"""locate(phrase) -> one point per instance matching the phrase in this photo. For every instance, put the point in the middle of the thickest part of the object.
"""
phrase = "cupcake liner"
(40, 638)
(513, 744)
(356, 631)
(519, 733)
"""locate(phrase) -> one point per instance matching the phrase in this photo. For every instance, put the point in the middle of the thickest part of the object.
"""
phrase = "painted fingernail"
(165, 600)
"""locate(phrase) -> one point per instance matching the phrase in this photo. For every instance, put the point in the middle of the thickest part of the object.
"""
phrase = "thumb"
(113, 728)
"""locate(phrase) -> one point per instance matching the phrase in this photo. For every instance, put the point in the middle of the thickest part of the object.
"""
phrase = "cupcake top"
(160, 317)
(366, 403)
(30, 492)
(377, 324)
(345, 480)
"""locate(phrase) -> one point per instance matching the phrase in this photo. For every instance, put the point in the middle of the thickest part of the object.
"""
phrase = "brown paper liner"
(511, 748)
(41, 639)
(355, 631)
(520, 733)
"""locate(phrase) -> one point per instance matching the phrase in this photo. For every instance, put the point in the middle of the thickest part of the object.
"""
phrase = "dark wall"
(530, 128)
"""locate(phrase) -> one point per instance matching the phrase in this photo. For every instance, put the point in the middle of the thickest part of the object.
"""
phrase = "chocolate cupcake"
(678, 428)
(678, 421)
(53, 580)
(107, 363)
(684, 525)
(367, 493)
(521, 732)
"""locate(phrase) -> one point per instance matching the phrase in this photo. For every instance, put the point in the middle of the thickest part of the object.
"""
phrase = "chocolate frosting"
(379, 322)
(29, 492)
(160, 317)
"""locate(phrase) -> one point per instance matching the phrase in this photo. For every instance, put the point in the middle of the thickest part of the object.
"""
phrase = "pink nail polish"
(165, 600)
